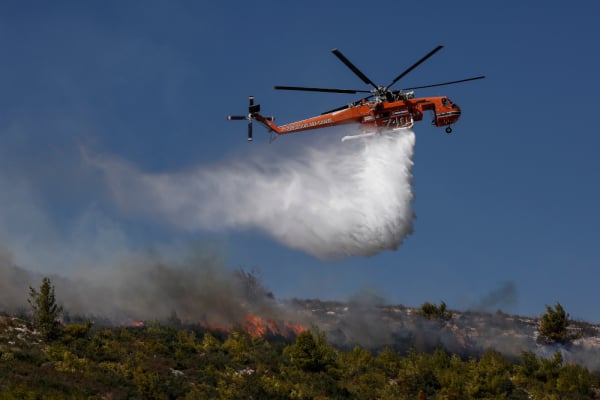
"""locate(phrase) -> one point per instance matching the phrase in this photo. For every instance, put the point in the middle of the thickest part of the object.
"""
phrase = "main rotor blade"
(415, 65)
(313, 89)
(357, 71)
(445, 83)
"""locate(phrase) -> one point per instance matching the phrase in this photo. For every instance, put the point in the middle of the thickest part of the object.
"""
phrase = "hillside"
(274, 359)
(171, 333)
(464, 333)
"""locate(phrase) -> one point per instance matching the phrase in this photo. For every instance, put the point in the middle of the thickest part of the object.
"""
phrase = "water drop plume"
(333, 200)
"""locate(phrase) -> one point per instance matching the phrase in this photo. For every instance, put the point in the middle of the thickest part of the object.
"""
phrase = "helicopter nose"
(448, 115)
(454, 114)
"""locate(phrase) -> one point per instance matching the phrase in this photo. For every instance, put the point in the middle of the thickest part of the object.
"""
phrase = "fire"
(296, 328)
(260, 327)
(133, 322)
(254, 325)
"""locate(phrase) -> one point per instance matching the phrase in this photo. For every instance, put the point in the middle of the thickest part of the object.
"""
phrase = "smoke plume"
(148, 286)
(341, 199)
(504, 298)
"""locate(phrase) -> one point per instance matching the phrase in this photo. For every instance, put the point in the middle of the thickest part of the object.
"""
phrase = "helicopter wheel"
(448, 130)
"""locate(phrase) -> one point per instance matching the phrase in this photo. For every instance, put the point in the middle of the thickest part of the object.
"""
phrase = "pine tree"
(433, 312)
(554, 324)
(45, 310)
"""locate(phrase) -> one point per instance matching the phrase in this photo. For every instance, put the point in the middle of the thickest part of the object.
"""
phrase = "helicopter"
(382, 110)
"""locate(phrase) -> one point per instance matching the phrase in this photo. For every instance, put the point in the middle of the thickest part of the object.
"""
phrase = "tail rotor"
(252, 109)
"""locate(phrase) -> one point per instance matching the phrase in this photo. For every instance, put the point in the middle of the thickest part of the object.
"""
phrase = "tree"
(45, 310)
(311, 352)
(554, 324)
(433, 312)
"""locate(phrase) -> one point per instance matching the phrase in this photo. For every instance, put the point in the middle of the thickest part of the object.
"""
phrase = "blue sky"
(507, 204)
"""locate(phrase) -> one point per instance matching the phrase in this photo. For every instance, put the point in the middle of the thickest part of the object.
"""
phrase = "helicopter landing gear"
(448, 130)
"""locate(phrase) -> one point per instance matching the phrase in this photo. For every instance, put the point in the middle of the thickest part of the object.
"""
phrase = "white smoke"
(341, 199)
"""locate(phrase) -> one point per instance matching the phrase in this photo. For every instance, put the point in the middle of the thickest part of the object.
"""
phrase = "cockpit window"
(444, 101)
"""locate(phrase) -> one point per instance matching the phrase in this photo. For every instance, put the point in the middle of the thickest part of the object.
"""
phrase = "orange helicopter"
(382, 110)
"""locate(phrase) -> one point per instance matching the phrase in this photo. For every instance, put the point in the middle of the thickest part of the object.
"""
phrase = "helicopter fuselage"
(375, 116)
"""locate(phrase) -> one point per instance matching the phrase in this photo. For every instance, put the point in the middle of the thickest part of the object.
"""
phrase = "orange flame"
(133, 322)
(296, 328)
(257, 326)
